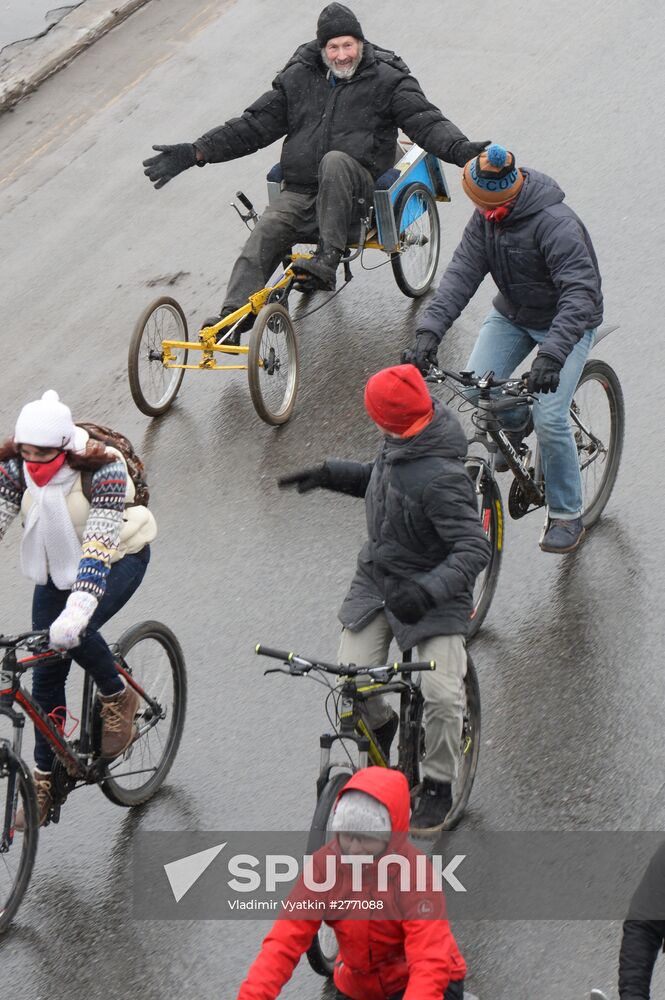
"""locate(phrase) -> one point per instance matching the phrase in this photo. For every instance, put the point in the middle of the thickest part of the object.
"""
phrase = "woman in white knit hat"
(86, 548)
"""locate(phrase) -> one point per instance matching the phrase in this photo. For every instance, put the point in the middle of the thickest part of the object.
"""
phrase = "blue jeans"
(500, 348)
(93, 654)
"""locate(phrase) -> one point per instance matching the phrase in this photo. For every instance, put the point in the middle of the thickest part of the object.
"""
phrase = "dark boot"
(434, 803)
(562, 536)
(234, 339)
(385, 734)
(320, 270)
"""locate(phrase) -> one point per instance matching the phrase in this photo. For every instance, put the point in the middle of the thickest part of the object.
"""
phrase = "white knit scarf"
(50, 545)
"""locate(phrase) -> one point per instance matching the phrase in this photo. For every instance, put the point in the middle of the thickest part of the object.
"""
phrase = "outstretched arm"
(334, 474)
(428, 127)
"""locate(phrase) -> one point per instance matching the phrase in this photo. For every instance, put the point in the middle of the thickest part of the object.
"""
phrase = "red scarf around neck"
(43, 472)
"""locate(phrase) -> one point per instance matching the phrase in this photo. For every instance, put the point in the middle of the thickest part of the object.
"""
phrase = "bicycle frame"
(354, 727)
(74, 756)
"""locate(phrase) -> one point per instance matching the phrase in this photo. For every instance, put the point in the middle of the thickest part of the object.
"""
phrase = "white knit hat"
(47, 423)
(358, 812)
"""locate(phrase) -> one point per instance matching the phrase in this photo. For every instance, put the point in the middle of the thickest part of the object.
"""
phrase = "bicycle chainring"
(519, 503)
(61, 783)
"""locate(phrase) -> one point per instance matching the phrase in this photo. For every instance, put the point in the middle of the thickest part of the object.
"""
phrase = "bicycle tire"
(405, 276)
(111, 784)
(469, 747)
(493, 521)
(596, 497)
(141, 369)
(322, 953)
(273, 395)
(27, 798)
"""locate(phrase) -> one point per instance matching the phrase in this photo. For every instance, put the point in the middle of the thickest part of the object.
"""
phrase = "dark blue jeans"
(93, 654)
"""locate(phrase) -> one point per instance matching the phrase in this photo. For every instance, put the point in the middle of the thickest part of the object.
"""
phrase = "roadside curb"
(39, 59)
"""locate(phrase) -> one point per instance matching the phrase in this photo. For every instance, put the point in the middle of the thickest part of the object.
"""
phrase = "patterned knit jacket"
(107, 529)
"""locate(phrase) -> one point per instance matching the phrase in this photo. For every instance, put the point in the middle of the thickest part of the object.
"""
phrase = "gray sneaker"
(562, 536)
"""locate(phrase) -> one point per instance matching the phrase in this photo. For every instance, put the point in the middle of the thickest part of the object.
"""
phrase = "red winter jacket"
(376, 957)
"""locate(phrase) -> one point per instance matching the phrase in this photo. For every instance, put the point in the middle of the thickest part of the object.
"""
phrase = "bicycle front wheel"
(272, 364)
(492, 519)
(414, 264)
(469, 747)
(323, 950)
(597, 416)
(153, 386)
(18, 857)
(151, 654)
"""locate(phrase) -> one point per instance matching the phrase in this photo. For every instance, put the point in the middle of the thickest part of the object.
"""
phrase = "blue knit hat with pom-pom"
(492, 178)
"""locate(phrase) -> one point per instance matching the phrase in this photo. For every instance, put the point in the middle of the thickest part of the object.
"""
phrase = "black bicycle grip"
(277, 654)
(245, 200)
(420, 665)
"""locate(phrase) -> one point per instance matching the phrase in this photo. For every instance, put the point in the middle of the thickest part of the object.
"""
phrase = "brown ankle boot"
(42, 780)
(118, 730)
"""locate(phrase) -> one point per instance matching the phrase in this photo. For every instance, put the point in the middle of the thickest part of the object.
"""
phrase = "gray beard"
(343, 74)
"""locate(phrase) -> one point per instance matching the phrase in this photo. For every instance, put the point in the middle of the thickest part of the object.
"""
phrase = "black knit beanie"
(336, 20)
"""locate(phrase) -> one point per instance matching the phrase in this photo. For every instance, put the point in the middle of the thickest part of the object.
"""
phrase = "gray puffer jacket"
(423, 525)
(542, 261)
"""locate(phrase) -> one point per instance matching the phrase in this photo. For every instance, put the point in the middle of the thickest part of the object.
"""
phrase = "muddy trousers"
(328, 215)
(443, 689)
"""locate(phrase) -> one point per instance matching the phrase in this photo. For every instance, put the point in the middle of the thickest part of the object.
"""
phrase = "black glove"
(172, 160)
(423, 352)
(307, 479)
(407, 600)
(544, 374)
(464, 150)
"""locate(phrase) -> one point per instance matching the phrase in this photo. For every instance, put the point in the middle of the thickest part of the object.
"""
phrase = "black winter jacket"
(643, 932)
(423, 525)
(359, 116)
(542, 261)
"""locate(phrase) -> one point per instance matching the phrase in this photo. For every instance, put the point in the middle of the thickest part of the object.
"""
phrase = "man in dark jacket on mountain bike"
(339, 102)
(543, 262)
(415, 574)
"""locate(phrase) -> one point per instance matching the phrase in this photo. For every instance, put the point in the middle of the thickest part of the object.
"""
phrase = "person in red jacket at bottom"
(379, 959)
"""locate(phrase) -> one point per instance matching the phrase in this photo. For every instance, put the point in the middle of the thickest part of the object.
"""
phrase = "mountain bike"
(149, 658)
(346, 710)
(597, 417)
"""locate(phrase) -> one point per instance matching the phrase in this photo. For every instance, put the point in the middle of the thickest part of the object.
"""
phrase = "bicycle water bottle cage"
(59, 717)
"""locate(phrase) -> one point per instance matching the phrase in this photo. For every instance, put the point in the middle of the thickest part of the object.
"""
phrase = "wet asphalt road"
(570, 662)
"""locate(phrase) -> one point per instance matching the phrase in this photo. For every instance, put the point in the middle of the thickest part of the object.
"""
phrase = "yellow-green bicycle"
(403, 222)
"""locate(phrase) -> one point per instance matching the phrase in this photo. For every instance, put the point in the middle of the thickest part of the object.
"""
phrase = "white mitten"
(66, 630)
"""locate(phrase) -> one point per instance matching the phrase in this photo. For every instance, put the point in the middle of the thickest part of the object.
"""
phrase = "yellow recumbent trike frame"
(403, 222)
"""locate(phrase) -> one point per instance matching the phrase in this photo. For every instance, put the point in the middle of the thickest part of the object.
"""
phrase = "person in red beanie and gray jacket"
(394, 955)
(415, 574)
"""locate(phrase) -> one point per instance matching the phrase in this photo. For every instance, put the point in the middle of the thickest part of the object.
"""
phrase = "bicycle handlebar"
(12, 641)
(340, 669)
(514, 388)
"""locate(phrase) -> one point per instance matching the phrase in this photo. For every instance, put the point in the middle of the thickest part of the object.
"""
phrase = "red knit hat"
(397, 398)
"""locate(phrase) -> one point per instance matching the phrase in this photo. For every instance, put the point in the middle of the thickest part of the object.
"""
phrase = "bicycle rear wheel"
(151, 654)
(323, 950)
(469, 747)
(16, 859)
(153, 386)
(597, 416)
(492, 519)
(272, 364)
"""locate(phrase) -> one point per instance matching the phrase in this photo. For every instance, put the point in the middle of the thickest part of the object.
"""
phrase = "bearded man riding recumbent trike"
(339, 104)
(401, 220)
